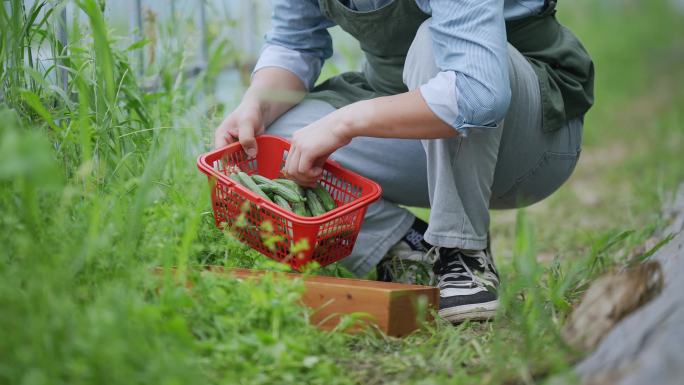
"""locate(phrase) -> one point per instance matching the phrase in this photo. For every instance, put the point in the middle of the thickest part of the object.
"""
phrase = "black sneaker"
(467, 282)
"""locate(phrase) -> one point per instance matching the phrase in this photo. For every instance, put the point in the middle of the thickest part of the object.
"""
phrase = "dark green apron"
(564, 68)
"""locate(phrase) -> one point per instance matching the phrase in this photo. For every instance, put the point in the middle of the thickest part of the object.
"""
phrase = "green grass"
(98, 185)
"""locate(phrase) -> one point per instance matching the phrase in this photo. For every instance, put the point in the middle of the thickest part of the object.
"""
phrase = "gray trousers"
(459, 178)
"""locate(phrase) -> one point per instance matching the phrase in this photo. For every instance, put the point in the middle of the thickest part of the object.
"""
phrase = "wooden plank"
(391, 307)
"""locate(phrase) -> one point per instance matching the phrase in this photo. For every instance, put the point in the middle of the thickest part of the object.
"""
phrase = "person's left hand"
(313, 144)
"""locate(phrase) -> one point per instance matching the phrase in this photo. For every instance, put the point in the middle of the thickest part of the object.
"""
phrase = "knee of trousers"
(420, 65)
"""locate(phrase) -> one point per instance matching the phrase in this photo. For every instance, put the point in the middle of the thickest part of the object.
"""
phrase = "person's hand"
(244, 124)
(313, 144)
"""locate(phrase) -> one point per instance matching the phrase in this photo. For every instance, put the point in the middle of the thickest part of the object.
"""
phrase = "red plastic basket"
(290, 238)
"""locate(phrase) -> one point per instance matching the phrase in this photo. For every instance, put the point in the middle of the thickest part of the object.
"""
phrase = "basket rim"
(373, 194)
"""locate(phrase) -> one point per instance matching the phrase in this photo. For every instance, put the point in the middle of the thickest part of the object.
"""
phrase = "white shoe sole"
(474, 312)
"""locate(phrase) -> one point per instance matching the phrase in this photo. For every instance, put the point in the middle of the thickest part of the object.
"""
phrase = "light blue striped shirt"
(469, 41)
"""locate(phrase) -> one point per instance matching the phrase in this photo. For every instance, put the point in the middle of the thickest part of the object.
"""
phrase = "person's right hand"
(242, 125)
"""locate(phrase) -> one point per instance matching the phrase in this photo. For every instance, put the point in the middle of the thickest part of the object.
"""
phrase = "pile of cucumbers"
(286, 193)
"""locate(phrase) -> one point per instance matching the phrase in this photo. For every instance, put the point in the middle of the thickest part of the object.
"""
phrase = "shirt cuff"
(441, 96)
(305, 67)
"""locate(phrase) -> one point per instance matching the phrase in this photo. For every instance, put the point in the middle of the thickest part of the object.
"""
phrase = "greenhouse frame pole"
(138, 34)
(63, 41)
(205, 35)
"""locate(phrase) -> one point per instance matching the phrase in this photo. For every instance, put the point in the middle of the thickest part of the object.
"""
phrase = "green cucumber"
(258, 179)
(313, 204)
(249, 183)
(282, 202)
(338, 231)
(325, 197)
(283, 191)
(235, 178)
(292, 185)
(299, 208)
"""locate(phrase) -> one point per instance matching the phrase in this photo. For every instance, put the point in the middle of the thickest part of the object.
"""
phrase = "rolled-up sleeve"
(469, 42)
(298, 40)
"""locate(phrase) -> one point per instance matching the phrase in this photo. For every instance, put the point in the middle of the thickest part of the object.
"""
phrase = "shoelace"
(449, 273)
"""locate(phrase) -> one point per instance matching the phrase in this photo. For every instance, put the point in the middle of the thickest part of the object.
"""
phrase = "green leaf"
(34, 102)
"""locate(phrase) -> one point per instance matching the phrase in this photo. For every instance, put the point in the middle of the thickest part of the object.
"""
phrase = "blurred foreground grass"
(99, 185)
